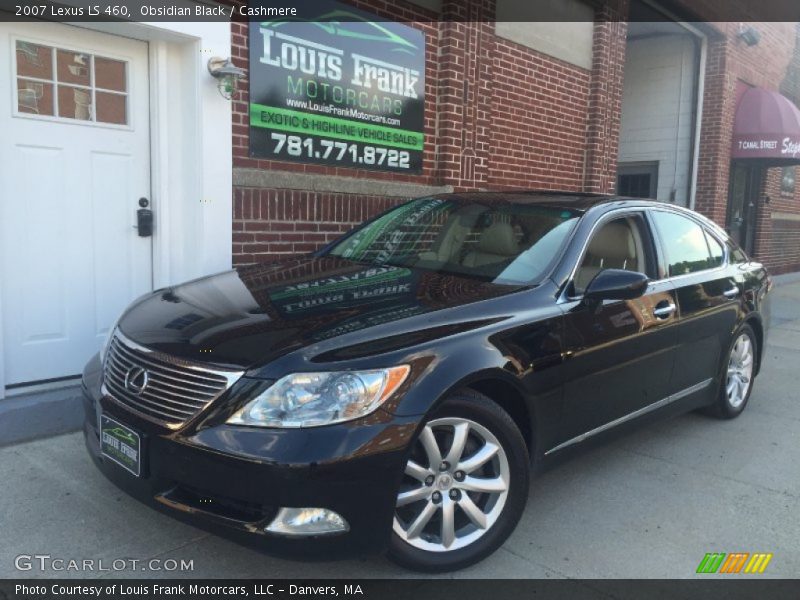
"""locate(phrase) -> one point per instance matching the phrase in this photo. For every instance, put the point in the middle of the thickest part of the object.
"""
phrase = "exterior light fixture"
(227, 75)
(748, 35)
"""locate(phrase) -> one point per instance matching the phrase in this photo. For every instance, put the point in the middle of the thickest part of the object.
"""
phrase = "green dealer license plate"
(121, 444)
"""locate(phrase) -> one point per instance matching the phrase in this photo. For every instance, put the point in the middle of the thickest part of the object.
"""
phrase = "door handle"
(731, 293)
(662, 312)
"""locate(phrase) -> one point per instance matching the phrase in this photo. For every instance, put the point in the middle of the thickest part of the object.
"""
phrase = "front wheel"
(464, 488)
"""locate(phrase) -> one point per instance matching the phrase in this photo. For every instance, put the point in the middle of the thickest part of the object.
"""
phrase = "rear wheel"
(737, 375)
(464, 486)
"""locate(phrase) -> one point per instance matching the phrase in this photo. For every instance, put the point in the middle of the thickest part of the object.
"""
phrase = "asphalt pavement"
(648, 505)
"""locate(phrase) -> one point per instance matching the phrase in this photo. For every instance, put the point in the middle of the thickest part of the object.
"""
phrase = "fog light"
(307, 521)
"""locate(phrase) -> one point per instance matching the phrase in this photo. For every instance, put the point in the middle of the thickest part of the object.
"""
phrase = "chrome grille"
(176, 389)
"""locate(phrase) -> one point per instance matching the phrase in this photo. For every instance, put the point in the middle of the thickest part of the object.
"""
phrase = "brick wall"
(271, 223)
(779, 221)
(538, 132)
(729, 62)
(778, 242)
(497, 115)
(500, 115)
(605, 97)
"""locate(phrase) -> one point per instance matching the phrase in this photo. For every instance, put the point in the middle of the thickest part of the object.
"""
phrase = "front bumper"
(232, 480)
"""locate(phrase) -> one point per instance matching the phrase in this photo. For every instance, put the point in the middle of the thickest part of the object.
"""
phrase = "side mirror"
(616, 284)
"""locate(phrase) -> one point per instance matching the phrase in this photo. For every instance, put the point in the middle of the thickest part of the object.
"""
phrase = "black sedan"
(394, 390)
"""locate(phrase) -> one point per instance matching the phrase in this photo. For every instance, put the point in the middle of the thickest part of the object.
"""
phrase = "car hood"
(253, 315)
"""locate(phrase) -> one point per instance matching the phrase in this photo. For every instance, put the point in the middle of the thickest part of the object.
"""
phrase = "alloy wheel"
(740, 371)
(454, 488)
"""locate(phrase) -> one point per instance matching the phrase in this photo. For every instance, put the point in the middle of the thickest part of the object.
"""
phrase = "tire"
(434, 547)
(737, 375)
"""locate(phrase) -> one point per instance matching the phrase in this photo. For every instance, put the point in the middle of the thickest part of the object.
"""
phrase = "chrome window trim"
(637, 413)
(230, 374)
(679, 277)
(564, 297)
(725, 252)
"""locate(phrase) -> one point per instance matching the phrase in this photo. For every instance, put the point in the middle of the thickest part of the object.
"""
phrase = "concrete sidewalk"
(648, 505)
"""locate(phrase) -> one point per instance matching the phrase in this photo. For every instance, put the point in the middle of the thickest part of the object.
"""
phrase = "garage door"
(74, 162)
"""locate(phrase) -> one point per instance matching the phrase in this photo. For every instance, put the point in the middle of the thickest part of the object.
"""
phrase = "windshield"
(500, 242)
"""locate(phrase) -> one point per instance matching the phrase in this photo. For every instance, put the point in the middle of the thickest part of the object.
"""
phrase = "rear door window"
(684, 243)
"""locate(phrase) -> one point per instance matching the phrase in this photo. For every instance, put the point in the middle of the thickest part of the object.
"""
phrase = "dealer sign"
(338, 89)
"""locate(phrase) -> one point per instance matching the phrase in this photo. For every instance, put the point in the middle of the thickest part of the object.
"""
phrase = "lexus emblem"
(136, 380)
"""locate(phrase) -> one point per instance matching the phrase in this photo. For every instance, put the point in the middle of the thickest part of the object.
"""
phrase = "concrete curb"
(40, 414)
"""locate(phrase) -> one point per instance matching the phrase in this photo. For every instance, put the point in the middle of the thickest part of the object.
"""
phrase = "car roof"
(576, 201)
(581, 201)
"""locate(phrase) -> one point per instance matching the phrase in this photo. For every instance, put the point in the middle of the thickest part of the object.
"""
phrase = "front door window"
(79, 86)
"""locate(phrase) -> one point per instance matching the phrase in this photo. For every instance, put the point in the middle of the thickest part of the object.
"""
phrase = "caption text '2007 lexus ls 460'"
(393, 390)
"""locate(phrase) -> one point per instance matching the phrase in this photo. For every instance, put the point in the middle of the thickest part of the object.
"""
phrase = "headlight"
(314, 399)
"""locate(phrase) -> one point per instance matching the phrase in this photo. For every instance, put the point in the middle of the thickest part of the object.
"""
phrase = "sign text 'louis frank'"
(296, 54)
(341, 90)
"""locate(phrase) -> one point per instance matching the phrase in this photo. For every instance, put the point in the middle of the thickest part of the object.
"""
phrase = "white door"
(74, 162)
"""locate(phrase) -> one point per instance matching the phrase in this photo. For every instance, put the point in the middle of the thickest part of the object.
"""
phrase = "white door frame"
(191, 150)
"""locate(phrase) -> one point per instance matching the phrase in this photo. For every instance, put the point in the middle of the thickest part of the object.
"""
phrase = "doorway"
(743, 196)
(661, 96)
(74, 162)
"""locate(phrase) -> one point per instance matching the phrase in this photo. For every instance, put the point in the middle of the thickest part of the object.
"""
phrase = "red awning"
(767, 127)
